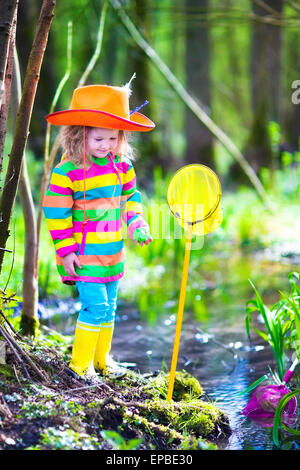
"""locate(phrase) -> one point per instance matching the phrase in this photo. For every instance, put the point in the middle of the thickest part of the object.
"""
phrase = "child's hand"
(68, 263)
(141, 236)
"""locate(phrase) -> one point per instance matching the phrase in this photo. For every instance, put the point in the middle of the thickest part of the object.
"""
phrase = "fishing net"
(194, 195)
(264, 401)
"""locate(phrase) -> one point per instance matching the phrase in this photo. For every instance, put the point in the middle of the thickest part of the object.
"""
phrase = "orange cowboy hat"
(102, 106)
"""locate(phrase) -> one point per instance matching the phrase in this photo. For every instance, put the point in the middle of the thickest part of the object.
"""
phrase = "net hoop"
(216, 206)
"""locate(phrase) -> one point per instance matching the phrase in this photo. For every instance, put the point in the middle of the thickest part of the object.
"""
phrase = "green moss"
(196, 417)
(186, 414)
(193, 443)
(160, 412)
(186, 387)
(158, 432)
(28, 325)
(199, 418)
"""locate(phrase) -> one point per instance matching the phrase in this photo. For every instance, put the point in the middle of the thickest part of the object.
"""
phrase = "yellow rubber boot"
(84, 349)
(103, 346)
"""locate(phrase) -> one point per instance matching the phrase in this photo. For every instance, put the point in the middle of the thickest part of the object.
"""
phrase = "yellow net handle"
(180, 311)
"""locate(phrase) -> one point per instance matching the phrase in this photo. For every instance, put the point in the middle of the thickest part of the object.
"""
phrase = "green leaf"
(278, 413)
(262, 335)
(254, 385)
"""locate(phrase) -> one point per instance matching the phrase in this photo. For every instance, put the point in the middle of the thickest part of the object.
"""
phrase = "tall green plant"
(278, 417)
(275, 328)
(281, 320)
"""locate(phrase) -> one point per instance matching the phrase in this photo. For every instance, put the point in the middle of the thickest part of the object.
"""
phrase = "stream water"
(214, 346)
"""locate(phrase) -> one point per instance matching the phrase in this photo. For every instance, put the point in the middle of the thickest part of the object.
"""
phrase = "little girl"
(91, 190)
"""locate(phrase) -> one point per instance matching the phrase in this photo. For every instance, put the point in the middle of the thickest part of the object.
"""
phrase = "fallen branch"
(16, 374)
(78, 389)
(17, 349)
(4, 409)
(293, 5)
(9, 341)
(116, 401)
(97, 51)
(13, 259)
(10, 325)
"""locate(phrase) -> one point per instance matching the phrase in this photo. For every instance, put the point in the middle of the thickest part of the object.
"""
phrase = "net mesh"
(193, 196)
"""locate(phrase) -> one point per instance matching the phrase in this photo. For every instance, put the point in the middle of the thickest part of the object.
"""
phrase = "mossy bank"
(52, 410)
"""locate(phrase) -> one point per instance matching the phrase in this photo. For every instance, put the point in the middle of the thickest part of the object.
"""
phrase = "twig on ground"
(78, 389)
(15, 346)
(10, 325)
(116, 401)
(17, 377)
(4, 409)
(106, 387)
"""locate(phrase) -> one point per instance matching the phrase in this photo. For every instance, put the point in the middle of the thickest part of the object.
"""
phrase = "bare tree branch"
(8, 10)
(268, 9)
(30, 282)
(7, 43)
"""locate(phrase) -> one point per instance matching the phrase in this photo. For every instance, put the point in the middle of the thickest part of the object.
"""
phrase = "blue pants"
(99, 302)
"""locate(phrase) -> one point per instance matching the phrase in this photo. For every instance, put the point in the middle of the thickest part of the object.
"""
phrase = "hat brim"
(93, 118)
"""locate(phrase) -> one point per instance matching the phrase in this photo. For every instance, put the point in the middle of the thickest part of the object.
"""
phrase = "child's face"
(100, 141)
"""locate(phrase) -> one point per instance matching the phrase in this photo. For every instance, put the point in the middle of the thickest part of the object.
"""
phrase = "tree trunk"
(142, 86)
(188, 100)
(265, 84)
(235, 69)
(23, 120)
(29, 315)
(266, 61)
(7, 41)
(199, 140)
(139, 63)
(8, 10)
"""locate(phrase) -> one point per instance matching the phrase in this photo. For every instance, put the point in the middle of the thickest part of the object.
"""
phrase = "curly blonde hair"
(71, 138)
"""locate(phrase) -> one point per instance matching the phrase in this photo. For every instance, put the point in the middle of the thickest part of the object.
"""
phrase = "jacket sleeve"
(57, 207)
(131, 202)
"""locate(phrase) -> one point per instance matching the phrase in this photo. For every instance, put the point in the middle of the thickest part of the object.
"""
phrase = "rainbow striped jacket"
(84, 215)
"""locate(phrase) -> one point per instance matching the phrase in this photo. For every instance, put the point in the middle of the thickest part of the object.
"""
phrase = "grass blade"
(278, 414)
(254, 385)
